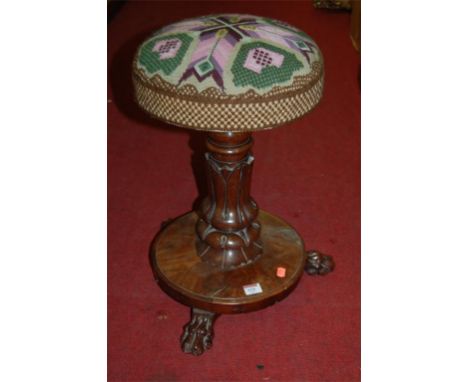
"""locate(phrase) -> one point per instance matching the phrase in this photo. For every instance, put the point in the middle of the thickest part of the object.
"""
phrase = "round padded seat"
(228, 73)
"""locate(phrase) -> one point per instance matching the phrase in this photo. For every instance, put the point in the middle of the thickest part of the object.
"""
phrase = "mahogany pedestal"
(229, 256)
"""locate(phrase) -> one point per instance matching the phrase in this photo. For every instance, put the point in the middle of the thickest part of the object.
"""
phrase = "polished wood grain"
(186, 277)
(206, 258)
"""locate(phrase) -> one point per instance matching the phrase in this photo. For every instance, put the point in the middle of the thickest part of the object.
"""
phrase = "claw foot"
(318, 264)
(198, 333)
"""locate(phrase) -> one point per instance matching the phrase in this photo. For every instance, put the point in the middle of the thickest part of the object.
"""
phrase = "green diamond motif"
(204, 67)
(301, 45)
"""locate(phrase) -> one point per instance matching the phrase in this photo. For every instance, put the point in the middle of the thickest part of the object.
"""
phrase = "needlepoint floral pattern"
(230, 53)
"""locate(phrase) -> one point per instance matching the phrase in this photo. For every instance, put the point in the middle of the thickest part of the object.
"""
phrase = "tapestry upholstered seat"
(228, 73)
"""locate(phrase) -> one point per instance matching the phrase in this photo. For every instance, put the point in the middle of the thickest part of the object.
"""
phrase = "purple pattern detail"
(219, 35)
(167, 48)
(303, 52)
(259, 58)
(215, 48)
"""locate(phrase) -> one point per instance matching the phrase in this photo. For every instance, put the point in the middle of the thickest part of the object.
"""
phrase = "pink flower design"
(259, 58)
(167, 48)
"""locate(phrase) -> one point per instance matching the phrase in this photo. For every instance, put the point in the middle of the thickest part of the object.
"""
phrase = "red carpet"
(307, 172)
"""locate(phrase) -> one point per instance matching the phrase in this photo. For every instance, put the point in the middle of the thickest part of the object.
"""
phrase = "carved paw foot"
(198, 333)
(318, 264)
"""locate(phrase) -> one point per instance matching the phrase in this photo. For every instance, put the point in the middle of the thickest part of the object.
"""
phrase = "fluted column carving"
(228, 233)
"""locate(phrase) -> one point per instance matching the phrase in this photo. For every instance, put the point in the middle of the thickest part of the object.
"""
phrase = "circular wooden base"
(185, 277)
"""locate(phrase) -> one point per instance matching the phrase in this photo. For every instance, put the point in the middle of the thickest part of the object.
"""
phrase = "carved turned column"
(228, 233)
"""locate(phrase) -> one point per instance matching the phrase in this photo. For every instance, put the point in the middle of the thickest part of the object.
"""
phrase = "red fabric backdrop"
(307, 172)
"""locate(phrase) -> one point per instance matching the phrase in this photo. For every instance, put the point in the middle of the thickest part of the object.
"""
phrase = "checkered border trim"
(227, 116)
